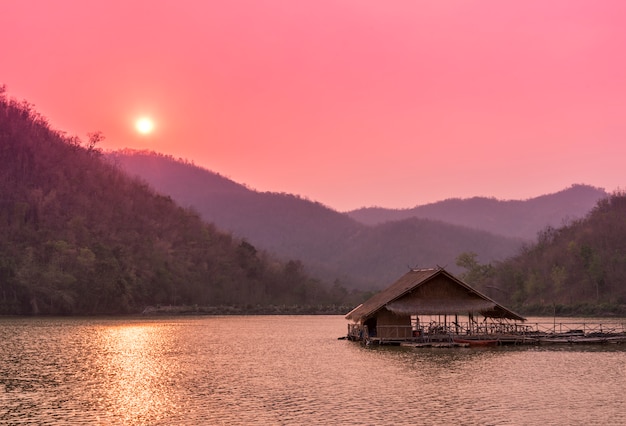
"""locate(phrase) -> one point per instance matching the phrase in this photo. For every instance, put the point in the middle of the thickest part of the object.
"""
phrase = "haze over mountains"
(81, 235)
(365, 248)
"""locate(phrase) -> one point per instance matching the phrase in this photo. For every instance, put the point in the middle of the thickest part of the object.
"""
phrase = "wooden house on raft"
(428, 305)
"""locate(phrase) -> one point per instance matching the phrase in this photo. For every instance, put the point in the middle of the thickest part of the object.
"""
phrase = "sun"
(144, 125)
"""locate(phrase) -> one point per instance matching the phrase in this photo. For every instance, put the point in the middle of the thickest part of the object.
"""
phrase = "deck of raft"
(536, 334)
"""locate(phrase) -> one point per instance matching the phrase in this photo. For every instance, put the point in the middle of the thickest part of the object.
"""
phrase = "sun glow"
(144, 125)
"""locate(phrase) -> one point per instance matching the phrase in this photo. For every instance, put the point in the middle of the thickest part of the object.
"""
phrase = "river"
(284, 370)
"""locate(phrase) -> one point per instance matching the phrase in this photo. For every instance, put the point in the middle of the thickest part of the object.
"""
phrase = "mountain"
(512, 218)
(282, 223)
(79, 236)
(386, 251)
(334, 246)
(582, 263)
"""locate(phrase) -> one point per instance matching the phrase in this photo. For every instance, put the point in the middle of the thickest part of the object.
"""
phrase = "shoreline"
(548, 311)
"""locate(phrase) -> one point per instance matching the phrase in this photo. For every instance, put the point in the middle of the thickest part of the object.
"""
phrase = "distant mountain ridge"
(512, 218)
(334, 245)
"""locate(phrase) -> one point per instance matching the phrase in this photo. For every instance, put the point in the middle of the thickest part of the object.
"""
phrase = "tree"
(476, 274)
(94, 139)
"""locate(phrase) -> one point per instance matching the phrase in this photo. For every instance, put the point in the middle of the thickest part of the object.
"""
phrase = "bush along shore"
(248, 310)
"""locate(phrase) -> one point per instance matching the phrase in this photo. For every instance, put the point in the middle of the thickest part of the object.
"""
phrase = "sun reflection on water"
(137, 385)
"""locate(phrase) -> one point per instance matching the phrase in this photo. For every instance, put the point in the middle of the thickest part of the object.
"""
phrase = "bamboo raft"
(495, 334)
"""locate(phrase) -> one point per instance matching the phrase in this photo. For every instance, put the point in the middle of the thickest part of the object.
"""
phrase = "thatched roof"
(431, 292)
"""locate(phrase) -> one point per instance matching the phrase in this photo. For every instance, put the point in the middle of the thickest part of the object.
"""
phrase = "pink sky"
(349, 103)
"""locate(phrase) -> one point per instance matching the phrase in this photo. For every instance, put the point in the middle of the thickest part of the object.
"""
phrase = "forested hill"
(581, 264)
(512, 218)
(78, 236)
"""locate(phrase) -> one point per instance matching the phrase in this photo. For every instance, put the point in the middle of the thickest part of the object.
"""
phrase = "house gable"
(439, 295)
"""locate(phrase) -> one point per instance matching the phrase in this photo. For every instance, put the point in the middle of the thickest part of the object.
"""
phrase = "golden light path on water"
(289, 370)
(136, 373)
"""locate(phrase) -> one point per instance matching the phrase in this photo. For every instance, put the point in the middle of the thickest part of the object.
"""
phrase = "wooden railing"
(584, 328)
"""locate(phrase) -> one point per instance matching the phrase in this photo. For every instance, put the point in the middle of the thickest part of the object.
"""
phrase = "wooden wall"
(392, 326)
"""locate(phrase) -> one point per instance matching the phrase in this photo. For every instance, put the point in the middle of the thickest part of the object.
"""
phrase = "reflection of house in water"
(427, 305)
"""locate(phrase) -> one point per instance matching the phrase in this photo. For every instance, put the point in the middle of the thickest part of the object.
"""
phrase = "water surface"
(289, 370)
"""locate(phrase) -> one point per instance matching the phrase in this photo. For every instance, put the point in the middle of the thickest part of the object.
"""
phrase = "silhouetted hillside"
(77, 235)
(333, 245)
(512, 218)
(581, 264)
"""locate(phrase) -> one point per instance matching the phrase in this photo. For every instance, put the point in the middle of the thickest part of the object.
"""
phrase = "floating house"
(432, 305)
